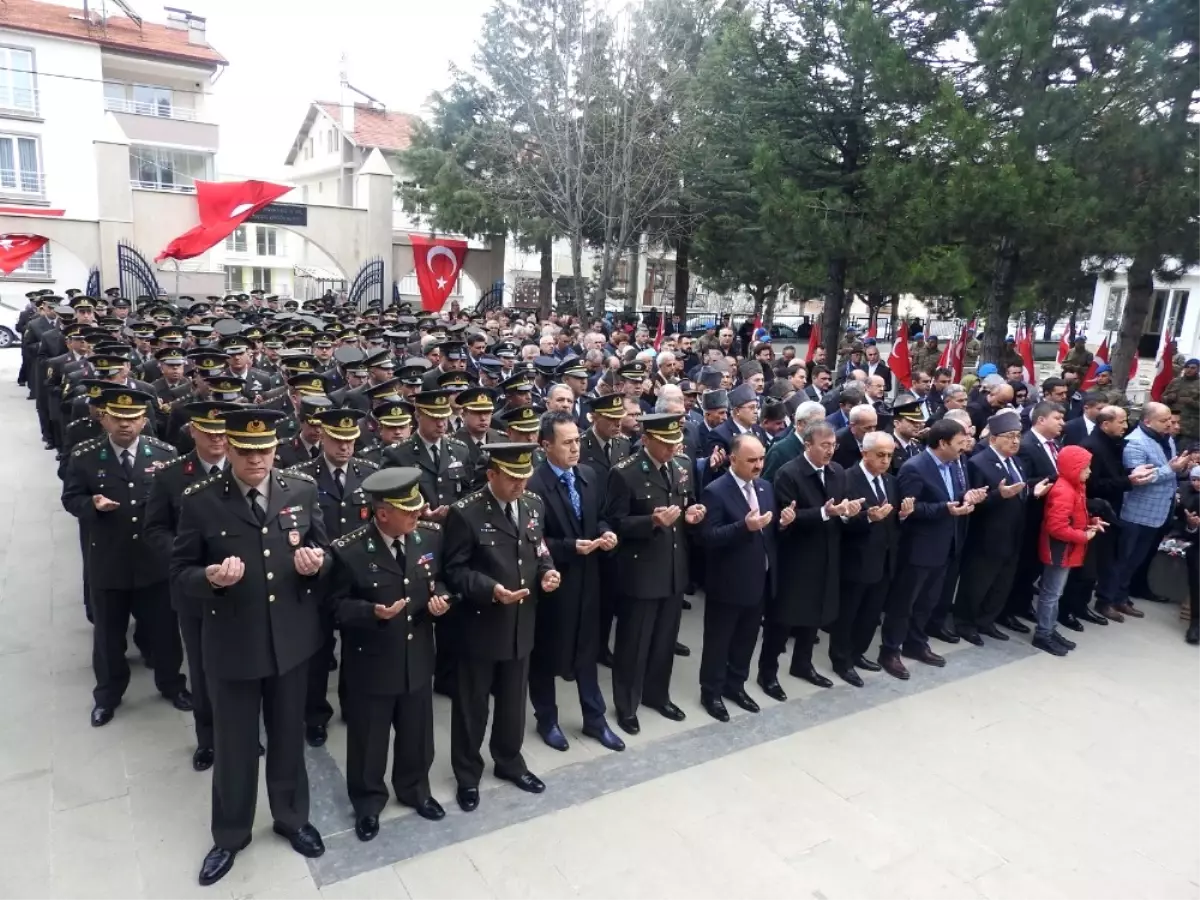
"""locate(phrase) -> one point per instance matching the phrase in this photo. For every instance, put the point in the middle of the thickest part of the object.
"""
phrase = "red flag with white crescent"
(658, 336)
(1163, 370)
(15, 249)
(222, 207)
(958, 354)
(814, 339)
(1064, 347)
(438, 262)
(1100, 356)
(1025, 348)
(899, 361)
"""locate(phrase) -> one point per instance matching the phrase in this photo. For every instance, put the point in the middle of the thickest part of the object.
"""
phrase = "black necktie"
(437, 460)
(510, 509)
(605, 447)
(880, 493)
(314, 450)
(1014, 478)
(666, 474)
(127, 464)
(214, 470)
(260, 515)
(339, 479)
(398, 549)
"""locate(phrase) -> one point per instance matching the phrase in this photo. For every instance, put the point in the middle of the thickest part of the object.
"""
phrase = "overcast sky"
(284, 55)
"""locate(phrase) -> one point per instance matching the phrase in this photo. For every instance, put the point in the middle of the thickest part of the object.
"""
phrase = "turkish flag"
(814, 339)
(958, 354)
(438, 262)
(899, 361)
(16, 248)
(1025, 348)
(1100, 356)
(944, 359)
(658, 337)
(1064, 347)
(223, 206)
(873, 329)
(1163, 370)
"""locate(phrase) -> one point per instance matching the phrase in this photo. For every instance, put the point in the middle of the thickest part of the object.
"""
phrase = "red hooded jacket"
(1064, 525)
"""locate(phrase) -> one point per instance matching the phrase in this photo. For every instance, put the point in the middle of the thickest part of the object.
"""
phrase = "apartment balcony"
(161, 123)
(18, 102)
(19, 185)
(158, 110)
(162, 186)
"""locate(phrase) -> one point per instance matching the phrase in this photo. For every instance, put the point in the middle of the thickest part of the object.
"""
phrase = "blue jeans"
(1134, 544)
(1054, 579)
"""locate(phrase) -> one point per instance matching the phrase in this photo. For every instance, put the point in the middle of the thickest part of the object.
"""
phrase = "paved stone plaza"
(1008, 774)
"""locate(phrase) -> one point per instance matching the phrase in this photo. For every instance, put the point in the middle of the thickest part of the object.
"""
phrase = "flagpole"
(176, 281)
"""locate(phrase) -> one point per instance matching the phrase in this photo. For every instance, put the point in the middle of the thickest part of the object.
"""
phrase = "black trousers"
(730, 635)
(860, 609)
(1192, 559)
(42, 401)
(317, 709)
(610, 592)
(87, 588)
(447, 640)
(1029, 569)
(189, 628)
(545, 705)
(372, 723)
(111, 610)
(644, 653)
(236, 707)
(1077, 593)
(913, 596)
(984, 588)
(950, 586)
(478, 679)
(775, 638)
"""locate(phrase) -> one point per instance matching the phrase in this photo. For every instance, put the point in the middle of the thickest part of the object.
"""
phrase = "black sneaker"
(1070, 645)
(1051, 646)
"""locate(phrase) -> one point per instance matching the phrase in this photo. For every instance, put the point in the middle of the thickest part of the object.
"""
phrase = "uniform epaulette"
(155, 442)
(200, 485)
(454, 440)
(350, 538)
(470, 498)
(75, 422)
(365, 462)
(292, 473)
(429, 526)
(90, 444)
(627, 461)
(530, 495)
(300, 466)
(171, 462)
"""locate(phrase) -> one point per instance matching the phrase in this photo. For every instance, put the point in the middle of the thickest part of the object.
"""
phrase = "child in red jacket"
(1066, 530)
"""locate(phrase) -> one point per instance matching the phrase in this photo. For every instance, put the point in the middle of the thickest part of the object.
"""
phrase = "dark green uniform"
(441, 483)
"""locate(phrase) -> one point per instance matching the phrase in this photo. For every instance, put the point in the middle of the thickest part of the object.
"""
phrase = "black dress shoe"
(848, 675)
(773, 689)
(925, 655)
(945, 635)
(715, 707)
(1193, 633)
(367, 828)
(1028, 614)
(868, 664)
(891, 663)
(468, 798)
(629, 724)
(101, 715)
(305, 840)
(182, 701)
(742, 699)
(669, 710)
(606, 736)
(1094, 618)
(682, 649)
(1069, 620)
(1013, 624)
(316, 735)
(443, 689)
(1051, 646)
(216, 865)
(262, 751)
(970, 636)
(202, 759)
(553, 737)
(430, 809)
(606, 658)
(995, 633)
(687, 604)
(812, 676)
(526, 781)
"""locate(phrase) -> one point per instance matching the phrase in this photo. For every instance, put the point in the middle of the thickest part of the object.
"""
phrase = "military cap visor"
(252, 429)
(125, 403)
(341, 424)
(307, 384)
(477, 399)
(393, 413)
(205, 416)
(611, 406)
(515, 460)
(664, 427)
(398, 487)
(435, 404)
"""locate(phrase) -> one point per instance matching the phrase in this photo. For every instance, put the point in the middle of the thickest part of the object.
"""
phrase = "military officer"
(305, 444)
(444, 461)
(477, 404)
(249, 550)
(162, 518)
(496, 559)
(387, 588)
(344, 507)
(649, 499)
(394, 419)
(106, 484)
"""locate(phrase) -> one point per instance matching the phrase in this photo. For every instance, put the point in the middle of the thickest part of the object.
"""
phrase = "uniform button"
(133, 518)
(222, 534)
(410, 618)
(410, 637)
(270, 576)
(271, 599)
(520, 602)
(131, 485)
(343, 503)
(374, 584)
(406, 581)
(343, 520)
(267, 552)
(135, 537)
(264, 531)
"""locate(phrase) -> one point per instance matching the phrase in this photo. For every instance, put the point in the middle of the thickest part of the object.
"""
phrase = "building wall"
(1107, 307)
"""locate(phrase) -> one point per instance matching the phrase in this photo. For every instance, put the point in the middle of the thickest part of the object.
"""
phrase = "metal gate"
(492, 299)
(367, 284)
(136, 274)
(93, 282)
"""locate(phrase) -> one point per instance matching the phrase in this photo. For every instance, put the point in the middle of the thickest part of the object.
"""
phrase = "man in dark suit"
(1078, 428)
(497, 560)
(1038, 455)
(994, 539)
(870, 554)
(875, 365)
(933, 533)
(784, 449)
(848, 441)
(250, 551)
(820, 383)
(743, 419)
(567, 638)
(31, 338)
(739, 526)
(850, 396)
(808, 559)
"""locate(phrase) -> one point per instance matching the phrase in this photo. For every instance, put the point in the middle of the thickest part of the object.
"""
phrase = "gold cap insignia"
(346, 423)
(524, 459)
(256, 426)
(124, 400)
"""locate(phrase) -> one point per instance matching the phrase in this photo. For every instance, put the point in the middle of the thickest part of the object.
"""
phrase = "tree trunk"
(835, 296)
(682, 275)
(997, 305)
(894, 319)
(632, 297)
(1138, 297)
(581, 300)
(545, 247)
(769, 309)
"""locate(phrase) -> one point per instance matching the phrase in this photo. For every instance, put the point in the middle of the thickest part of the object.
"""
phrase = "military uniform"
(1183, 396)
(484, 548)
(126, 575)
(442, 482)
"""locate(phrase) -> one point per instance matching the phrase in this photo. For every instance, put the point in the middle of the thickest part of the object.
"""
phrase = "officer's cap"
(393, 413)
(610, 406)
(435, 404)
(125, 403)
(521, 418)
(206, 415)
(477, 399)
(663, 427)
(340, 423)
(399, 487)
(307, 383)
(515, 460)
(252, 429)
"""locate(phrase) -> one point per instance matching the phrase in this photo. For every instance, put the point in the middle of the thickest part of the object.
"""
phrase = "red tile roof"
(117, 33)
(384, 129)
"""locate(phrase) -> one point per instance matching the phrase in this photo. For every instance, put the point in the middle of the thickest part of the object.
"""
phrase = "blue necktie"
(568, 479)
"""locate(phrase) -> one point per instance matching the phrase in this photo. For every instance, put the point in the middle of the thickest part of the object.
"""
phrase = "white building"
(1171, 307)
(66, 75)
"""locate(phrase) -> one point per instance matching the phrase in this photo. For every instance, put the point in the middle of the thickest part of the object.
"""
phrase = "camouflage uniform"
(1183, 396)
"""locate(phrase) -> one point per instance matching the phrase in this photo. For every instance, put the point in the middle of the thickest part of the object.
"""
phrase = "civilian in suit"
(848, 440)
(993, 546)
(787, 448)
(740, 527)
(566, 640)
(820, 383)
(940, 625)
(933, 533)
(1038, 455)
(808, 559)
(849, 397)
(743, 419)
(875, 365)
(870, 553)
(1147, 504)
(1108, 484)
(1079, 427)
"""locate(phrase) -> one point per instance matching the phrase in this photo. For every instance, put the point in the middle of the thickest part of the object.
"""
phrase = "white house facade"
(1176, 304)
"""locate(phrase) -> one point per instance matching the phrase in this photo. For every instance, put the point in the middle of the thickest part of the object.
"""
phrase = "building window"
(20, 167)
(267, 242)
(1113, 308)
(234, 279)
(161, 169)
(18, 90)
(37, 265)
(152, 101)
(236, 242)
(262, 279)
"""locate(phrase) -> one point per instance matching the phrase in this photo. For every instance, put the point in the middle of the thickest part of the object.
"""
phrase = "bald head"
(1156, 417)
(1001, 395)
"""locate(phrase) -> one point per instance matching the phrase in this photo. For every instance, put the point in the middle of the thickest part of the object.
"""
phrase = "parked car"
(8, 325)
